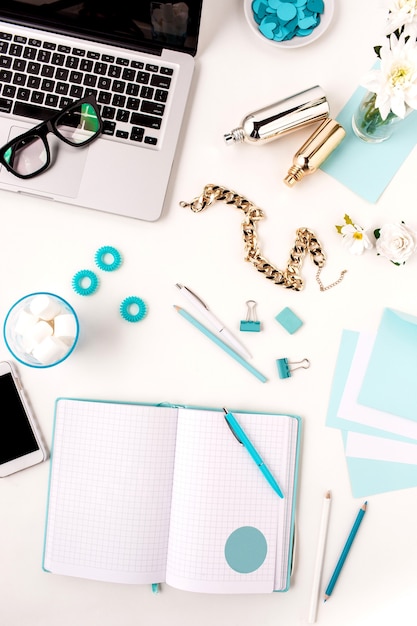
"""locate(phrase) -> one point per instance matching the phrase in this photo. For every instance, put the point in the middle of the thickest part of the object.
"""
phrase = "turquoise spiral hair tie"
(85, 282)
(133, 309)
(106, 251)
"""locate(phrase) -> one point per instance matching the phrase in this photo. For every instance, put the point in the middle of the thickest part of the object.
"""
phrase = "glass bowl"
(41, 329)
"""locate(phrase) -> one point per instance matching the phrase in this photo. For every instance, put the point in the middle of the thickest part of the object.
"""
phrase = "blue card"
(367, 476)
(367, 168)
(390, 380)
(370, 477)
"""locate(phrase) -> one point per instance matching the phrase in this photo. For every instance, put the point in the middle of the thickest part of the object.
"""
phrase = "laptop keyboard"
(39, 77)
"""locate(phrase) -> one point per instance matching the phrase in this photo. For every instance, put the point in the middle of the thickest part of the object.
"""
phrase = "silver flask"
(282, 117)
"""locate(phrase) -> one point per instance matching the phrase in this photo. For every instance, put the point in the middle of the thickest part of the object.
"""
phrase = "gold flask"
(315, 150)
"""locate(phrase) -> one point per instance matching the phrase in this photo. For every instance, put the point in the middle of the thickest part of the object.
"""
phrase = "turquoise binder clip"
(250, 324)
(284, 367)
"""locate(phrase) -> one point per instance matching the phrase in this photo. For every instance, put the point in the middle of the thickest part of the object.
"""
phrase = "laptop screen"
(142, 25)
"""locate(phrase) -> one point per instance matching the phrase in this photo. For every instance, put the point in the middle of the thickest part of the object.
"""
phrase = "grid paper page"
(110, 491)
(218, 490)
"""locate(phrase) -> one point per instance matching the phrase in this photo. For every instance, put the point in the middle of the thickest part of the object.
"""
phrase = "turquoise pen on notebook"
(243, 439)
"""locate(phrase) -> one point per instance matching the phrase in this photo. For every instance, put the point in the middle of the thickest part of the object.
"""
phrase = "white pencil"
(318, 567)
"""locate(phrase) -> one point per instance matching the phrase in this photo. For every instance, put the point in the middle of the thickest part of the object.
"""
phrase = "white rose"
(396, 242)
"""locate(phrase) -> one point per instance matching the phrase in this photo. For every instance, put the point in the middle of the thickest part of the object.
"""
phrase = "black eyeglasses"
(78, 124)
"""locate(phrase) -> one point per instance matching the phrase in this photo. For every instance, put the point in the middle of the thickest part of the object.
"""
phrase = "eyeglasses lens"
(79, 124)
(26, 156)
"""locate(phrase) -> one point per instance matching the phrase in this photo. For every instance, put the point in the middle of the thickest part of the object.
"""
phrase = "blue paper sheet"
(367, 168)
(367, 477)
(390, 380)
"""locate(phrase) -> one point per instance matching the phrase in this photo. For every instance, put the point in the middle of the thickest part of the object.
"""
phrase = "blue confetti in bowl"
(289, 23)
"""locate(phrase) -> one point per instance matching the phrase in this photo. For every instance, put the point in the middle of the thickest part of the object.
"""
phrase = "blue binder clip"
(284, 367)
(250, 324)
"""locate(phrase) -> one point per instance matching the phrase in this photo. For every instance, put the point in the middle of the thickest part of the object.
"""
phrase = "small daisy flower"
(355, 238)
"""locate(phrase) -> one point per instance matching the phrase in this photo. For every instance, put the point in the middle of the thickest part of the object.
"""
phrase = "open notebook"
(157, 493)
(136, 58)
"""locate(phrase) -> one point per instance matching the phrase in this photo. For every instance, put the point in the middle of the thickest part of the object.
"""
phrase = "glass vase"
(368, 124)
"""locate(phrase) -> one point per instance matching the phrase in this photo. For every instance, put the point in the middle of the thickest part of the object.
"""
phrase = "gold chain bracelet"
(306, 241)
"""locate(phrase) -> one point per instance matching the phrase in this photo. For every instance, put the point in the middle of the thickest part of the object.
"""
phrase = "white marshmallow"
(50, 350)
(65, 327)
(24, 321)
(44, 307)
(35, 334)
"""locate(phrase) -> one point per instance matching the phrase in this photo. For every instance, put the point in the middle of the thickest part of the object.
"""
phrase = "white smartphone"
(21, 444)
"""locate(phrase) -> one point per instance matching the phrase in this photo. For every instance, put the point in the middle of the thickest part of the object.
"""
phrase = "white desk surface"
(165, 359)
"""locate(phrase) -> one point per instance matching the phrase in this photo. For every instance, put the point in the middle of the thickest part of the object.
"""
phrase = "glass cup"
(367, 123)
(41, 330)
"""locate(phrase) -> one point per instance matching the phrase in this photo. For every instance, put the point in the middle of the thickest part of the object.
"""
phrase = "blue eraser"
(289, 320)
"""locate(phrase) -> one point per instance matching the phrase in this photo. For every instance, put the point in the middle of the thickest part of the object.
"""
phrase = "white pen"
(218, 325)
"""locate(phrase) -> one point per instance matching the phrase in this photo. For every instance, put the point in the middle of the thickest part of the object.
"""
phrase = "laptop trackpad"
(63, 176)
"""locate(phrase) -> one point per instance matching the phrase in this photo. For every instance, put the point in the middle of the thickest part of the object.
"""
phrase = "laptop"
(137, 58)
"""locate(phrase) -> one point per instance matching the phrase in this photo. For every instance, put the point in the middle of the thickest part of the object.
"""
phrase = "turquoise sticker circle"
(245, 549)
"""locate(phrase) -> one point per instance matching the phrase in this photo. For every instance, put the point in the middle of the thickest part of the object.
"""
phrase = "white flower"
(396, 242)
(355, 238)
(395, 82)
(402, 14)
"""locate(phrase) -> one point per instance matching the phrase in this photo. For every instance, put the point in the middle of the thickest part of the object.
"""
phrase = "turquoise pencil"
(220, 343)
(345, 551)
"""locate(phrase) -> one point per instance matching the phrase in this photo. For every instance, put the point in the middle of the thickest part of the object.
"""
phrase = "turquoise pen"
(243, 439)
(345, 551)
(220, 343)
